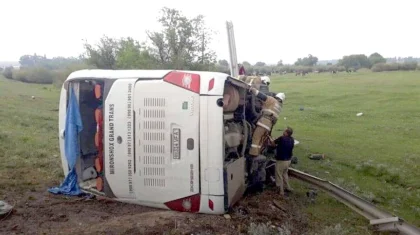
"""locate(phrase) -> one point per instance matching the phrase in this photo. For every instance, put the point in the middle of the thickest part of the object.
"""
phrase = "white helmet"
(281, 96)
(265, 79)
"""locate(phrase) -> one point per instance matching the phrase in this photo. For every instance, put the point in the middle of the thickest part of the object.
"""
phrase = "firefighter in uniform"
(254, 81)
(270, 112)
(271, 107)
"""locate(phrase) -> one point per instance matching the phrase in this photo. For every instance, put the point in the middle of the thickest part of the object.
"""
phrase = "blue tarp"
(71, 148)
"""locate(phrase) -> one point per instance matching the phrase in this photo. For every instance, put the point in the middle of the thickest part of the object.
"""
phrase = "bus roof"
(117, 74)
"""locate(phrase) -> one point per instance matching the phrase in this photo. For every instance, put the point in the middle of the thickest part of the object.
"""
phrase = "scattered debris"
(268, 228)
(227, 216)
(317, 156)
(285, 118)
(33, 97)
(5, 208)
(359, 114)
(242, 211)
(296, 142)
(294, 160)
(312, 194)
(301, 108)
(278, 205)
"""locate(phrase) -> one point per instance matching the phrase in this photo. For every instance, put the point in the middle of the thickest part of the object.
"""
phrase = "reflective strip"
(263, 126)
(271, 111)
(277, 107)
(255, 146)
(276, 110)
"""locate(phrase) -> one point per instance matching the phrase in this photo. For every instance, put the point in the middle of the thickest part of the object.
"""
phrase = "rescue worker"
(266, 80)
(241, 70)
(254, 81)
(284, 152)
(270, 112)
(271, 107)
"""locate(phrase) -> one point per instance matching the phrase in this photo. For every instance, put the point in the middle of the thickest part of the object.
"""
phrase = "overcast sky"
(265, 30)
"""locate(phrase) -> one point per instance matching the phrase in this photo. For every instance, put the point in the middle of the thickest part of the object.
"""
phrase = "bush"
(8, 72)
(44, 76)
(34, 75)
(408, 66)
(381, 67)
(59, 76)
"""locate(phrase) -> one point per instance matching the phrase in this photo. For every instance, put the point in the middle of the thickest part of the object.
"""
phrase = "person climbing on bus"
(270, 112)
(284, 152)
(271, 107)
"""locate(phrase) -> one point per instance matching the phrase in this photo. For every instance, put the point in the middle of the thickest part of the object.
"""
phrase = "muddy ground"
(39, 212)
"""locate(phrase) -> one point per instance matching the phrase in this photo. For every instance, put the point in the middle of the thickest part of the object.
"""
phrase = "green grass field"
(29, 152)
(376, 155)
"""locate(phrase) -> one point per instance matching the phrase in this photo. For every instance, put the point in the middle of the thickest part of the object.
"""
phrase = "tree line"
(182, 43)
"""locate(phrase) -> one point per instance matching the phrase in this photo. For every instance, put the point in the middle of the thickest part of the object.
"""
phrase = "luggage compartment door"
(235, 180)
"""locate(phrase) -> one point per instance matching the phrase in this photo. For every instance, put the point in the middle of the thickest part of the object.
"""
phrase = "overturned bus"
(161, 138)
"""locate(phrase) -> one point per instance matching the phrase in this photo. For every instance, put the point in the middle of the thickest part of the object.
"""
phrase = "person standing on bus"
(284, 152)
(241, 70)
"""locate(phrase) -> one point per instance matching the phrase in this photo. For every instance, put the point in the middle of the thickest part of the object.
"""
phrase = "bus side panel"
(211, 146)
(118, 138)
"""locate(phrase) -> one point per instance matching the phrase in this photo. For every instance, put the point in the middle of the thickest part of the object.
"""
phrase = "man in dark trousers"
(284, 152)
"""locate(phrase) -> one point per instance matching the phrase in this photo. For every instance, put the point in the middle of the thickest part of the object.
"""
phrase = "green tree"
(280, 63)
(31, 61)
(246, 64)
(355, 61)
(260, 64)
(202, 37)
(376, 58)
(310, 60)
(103, 55)
(223, 63)
(183, 43)
(26, 61)
(131, 55)
(8, 72)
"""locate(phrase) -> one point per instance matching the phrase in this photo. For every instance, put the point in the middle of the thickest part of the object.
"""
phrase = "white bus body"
(166, 142)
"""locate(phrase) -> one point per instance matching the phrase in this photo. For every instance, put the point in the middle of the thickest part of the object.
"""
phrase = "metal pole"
(234, 70)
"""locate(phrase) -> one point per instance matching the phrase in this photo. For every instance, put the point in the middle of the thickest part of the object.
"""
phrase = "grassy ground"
(376, 155)
(28, 136)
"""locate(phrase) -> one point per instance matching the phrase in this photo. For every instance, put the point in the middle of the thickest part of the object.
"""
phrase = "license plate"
(176, 143)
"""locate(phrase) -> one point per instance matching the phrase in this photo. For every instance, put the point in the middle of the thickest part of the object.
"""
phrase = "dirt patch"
(39, 212)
